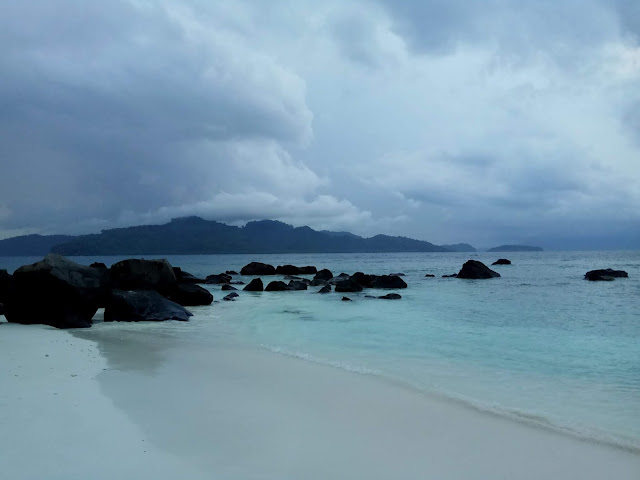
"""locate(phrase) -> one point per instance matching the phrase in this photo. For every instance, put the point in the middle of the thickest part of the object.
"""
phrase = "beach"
(132, 402)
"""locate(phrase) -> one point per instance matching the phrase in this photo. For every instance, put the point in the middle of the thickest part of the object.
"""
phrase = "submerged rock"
(346, 299)
(391, 296)
(325, 289)
(453, 275)
(228, 287)
(231, 272)
(475, 270)
(606, 274)
(276, 286)
(429, 275)
(142, 305)
(56, 291)
(255, 285)
(257, 268)
(502, 261)
(99, 265)
(297, 285)
(348, 286)
(388, 281)
(231, 297)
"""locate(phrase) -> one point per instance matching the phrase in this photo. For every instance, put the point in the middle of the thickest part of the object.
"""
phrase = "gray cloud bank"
(480, 121)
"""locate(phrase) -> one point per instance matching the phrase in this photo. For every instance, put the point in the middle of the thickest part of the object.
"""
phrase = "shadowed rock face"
(276, 286)
(6, 281)
(255, 285)
(348, 286)
(139, 274)
(218, 279)
(257, 268)
(323, 275)
(388, 281)
(606, 274)
(231, 297)
(293, 270)
(475, 270)
(142, 305)
(186, 277)
(297, 285)
(57, 292)
(228, 287)
(189, 294)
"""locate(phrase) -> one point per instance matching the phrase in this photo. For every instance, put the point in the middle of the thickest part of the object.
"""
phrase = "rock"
(139, 274)
(257, 268)
(1, 308)
(369, 296)
(231, 272)
(348, 286)
(502, 261)
(237, 282)
(397, 274)
(306, 281)
(388, 281)
(255, 285)
(228, 287)
(362, 279)
(6, 280)
(57, 292)
(429, 275)
(324, 275)
(391, 296)
(453, 275)
(190, 294)
(232, 296)
(325, 289)
(99, 265)
(297, 285)
(142, 305)
(276, 286)
(317, 282)
(186, 277)
(346, 299)
(218, 279)
(607, 274)
(475, 270)
(293, 270)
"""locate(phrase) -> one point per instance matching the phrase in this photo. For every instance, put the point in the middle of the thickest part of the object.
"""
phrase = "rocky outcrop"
(255, 285)
(142, 305)
(231, 297)
(186, 277)
(362, 279)
(325, 289)
(475, 270)
(605, 275)
(276, 286)
(323, 275)
(57, 292)
(293, 270)
(388, 281)
(257, 268)
(502, 261)
(297, 285)
(348, 286)
(189, 295)
(391, 296)
(218, 279)
(140, 274)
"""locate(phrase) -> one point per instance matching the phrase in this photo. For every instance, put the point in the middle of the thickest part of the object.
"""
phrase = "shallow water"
(539, 343)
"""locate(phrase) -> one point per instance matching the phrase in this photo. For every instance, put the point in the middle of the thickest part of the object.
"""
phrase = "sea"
(540, 344)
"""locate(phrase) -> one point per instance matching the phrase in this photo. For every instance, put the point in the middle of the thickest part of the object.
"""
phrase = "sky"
(486, 122)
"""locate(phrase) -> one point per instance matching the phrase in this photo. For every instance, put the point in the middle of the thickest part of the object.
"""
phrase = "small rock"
(228, 287)
(429, 275)
(502, 261)
(231, 297)
(255, 285)
(325, 289)
(346, 299)
(391, 296)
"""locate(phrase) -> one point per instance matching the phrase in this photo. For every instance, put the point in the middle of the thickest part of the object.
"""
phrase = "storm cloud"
(478, 121)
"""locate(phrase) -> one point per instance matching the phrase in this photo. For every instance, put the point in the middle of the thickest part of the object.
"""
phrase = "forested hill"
(193, 235)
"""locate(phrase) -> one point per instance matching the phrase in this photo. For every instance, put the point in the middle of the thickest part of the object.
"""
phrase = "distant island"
(515, 248)
(194, 235)
(459, 247)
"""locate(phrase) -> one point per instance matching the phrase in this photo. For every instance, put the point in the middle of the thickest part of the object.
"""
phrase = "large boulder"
(502, 261)
(218, 279)
(255, 285)
(140, 274)
(297, 285)
(142, 305)
(324, 274)
(6, 280)
(348, 285)
(186, 277)
(57, 292)
(606, 274)
(189, 295)
(276, 286)
(388, 281)
(293, 270)
(475, 270)
(362, 279)
(257, 268)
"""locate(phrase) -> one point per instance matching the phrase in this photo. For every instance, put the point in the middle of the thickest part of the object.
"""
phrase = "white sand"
(221, 412)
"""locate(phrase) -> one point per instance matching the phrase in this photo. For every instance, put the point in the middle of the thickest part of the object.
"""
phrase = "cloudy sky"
(480, 121)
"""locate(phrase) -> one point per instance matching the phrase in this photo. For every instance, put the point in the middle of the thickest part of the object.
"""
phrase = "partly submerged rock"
(324, 274)
(276, 286)
(255, 285)
(231, 272)
(606, 274)
(391, 296)
(228, 287)
(429, 275)
(475, 270)
(502, 261)
(297, 285)
(293, 270)
(140, 274)
(231, 297)
(218, 279)
(348, 286)
(325, 289)
(388, 281)
(57, 292)
(346, 299)
(142, 305)
(186, 277)
(189, 295)
(257, 268)
(453, 275)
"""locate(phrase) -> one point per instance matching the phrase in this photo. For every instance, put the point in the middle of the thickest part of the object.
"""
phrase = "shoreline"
(253, 413)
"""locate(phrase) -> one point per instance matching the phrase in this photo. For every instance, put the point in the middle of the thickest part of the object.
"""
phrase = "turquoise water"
(539, 343)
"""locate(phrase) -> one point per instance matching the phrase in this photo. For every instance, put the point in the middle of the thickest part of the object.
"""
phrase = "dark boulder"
(255, 285)
(362, 279)
(1, 308)
(231, 297)
(317, 282)
(228, 287)
(6, 280)
(606, 274)
(388, 281)
(293, 270)
(236, 282)
(475, 270)
(346, 299)
(276, 286)
(429, 275)
(502, 261)
(57, 292)
(189, 295)
(186, 277)
(348, 286)
(231, 272)
(325, 289)
(323, 274)
(397, 274)
(139, 274)
(297, 285)
(142, 305)
(257, 268)
(99, 265)
(453, 275)
(218, 279)
(391, 296)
